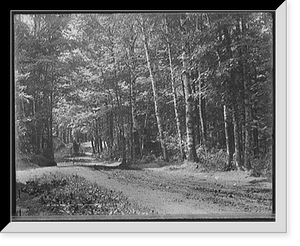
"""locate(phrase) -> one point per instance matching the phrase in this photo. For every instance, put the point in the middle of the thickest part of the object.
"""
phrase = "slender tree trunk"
(136, 131)
(144, 131)
(247, 106)
(228, 138)
(48, 98)
(236, 128)
(202, 101)
(189, 102)
(247, 162)
(175, 97)
(136, 134)
(123, 143)
(131, 144)
(97, 143)
(155, 97)
(100, 144)
(34, 111)
(231, 94)
(111, 132)
(135, 143)
(93, 145)
(255, 132)
(202, 113)
(247, 121)
(50, 140)
(68, 135)
(191, 149)
(255, 124)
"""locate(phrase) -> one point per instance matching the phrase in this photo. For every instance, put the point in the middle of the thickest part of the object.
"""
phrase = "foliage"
(263, 165)
(214, 160)
(86, 77)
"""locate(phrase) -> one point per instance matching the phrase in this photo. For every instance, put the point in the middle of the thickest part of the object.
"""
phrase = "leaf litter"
(74, 195)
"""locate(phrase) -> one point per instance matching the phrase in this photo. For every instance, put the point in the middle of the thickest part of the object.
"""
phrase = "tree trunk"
(155, 97)
(255, 133)
(191, 149)
(100, 144)
(69, 135)
(228, 139)
(247, 121)
(135, 144)
(137, 149)
(247, 152)
(111, 132)
(202, 113)
(50, 140)
(236, 128)
(123, 142)
(175, 97)
(131, 144)
(93, 146)
(247, 109)
(233, 101)
(144, 132)
(136, 131)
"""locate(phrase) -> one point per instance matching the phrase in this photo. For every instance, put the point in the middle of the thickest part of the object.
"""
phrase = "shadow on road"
(255, 181)
(107, 167)
(94, 164)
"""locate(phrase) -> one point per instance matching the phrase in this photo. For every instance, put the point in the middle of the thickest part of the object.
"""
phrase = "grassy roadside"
(71, 195)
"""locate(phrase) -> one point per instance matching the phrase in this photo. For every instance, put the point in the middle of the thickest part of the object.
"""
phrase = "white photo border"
(279, 226)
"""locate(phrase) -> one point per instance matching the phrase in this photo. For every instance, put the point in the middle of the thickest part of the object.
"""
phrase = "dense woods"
(170, 86)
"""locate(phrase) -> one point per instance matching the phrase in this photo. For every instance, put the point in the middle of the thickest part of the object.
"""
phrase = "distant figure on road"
(76, 147)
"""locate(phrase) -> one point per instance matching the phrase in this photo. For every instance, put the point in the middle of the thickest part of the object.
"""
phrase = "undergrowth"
(74, 195)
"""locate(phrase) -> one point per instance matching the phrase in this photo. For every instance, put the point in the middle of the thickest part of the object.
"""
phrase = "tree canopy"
(175, 85)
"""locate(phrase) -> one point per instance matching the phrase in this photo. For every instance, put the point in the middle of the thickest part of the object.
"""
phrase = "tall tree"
(105, 77)
(176, 111)
(189, 101)
(154, 91)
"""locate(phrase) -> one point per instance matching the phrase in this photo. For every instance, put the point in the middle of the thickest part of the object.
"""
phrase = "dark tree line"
(176, 85)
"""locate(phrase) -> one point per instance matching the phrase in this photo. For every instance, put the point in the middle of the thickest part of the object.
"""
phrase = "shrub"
(263, 164)
(173, 146)
(41, 160)
(148, 158)
(213, 160)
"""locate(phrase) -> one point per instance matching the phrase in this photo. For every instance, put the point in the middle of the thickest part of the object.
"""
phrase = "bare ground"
(173, 191)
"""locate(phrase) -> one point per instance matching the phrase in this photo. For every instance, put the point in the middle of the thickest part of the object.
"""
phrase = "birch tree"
(154, 91)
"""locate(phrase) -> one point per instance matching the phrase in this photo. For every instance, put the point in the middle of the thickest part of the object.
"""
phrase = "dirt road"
(172, 191)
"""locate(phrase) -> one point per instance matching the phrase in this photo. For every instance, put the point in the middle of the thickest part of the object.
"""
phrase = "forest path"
(108, 176)
(171, 191)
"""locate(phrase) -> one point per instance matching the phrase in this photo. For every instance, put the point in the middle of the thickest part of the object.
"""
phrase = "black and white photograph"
(143, 116)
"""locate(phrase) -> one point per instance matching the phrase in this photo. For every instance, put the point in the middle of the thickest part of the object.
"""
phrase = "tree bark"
(93, 146)
(178, 125)
(50, 140)
(155, 96)
(135, 143)
(100, 144)
(202, 113)
(131, 144)
(231, 94)
(191, 149)
(236, 128)
(111, 132)
(255, 132)
(247, 126)
(136, 131)
(228, 138)
(247, 146)
(247, 161)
